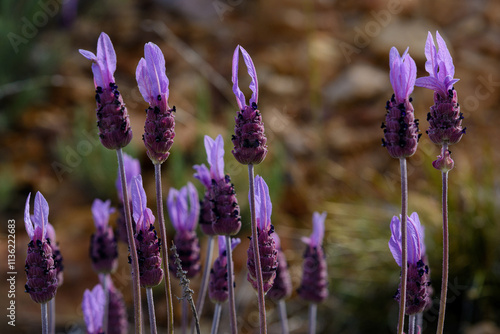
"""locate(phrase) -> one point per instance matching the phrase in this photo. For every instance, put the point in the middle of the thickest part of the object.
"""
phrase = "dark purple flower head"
(439, 65)
(403, 72)
(103, 248)
(56, 253)
(249, 140)
(93, 309)
(153, 84)
(117, 312)
(132, 168)
(112, 116)
(37, 229)
(282, 287)
(218, 281)
(314, 285)
(206, 216)
(415, 232)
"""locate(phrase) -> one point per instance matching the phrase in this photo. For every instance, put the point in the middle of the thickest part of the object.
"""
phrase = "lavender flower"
(153, 84)
(56, 252)
(93, 309)
(218, 289)
(267, 246)
(401, 128)
(314, 285)
(249, 140)
(146, 240)
(184, 209)
(226, 218)
(103, 248)
(282, 287)
(206, 216)
(40, 270)
(418, 285)
(112, 116)
(445, 118)
(117, 312)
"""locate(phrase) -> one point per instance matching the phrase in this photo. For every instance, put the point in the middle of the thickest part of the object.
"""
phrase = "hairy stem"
(215, 321)
(404, 261)
(255, 242)
(106, 302)
(45, 320)
(52, 316)
(230, 285)
(164, 250)
(412, 324)
(136, 288)
(444, 279)
(283, 317)
(313, 309)
(151, 310)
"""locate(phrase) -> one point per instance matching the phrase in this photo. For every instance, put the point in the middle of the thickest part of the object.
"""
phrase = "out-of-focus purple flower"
(218, 290)
(267, 246)
(439, 65)
(117, 312)
(40, 270)
(146, 240)
(418, 290)
(206, 215)
(282, 287)
(401, 128)
(153, 84)
(314, 285)
(445, 118)
(103, 247)
(56, 253)
(249, 140)
(93, 309)
(112, 116)
(184, 209)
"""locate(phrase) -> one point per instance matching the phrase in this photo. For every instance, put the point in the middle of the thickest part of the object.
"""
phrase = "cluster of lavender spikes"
(218, 213)
(401, 138)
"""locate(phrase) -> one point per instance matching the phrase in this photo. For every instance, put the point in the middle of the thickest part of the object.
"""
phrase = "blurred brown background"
(323, 79)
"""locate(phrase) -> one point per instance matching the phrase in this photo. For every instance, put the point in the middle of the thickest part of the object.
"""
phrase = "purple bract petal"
(277, 240)
(142, 78)
(183, 208)
(240, 98)
(194, 210)
(93, 309)
(415, 237)
(51, 233)
(139, 201)
(215, 156)
(395, 240)
(318, 229)
(100, 212)
(254, 84)
(151, 77)
(28, 224)
(104, 64)
(263, 205)
(203, 174)
(222, 244)
(403, 72)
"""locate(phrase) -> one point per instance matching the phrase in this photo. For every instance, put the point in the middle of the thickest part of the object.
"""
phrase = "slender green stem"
(205, 278)
(444, 279)
(105, 289)
(215, 322)
(255, 242)
(412, 324)
(136, 288)
(404, 261)
(283, 317)
(52, 316)
(164, 250)
(151, 310)
(45, 320)
(230, 285)
(313, 310)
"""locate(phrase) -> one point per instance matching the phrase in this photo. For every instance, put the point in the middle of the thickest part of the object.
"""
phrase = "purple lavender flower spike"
(401, 128)
(218, 290)
(282, 287)
(226, 218)
(418, 290)
(184, 209)
(103, 248)
(146, 240)
(93, 309)
(56, 253)
(117, 312)
(206, 217)
(112, 116)
(249, 139)
(267, 246)
(445, 118)
(153, 84)
(40, 270)
(314, 285)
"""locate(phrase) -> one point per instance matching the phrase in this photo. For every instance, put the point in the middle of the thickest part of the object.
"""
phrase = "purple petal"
(263, 205)
(147, 219)
(28, 224)
(87, 54)
(277, 240)
(100, 212)
(106, 57)
(431, 83)
(88, 311)
(318, 229)
(215, 156)
(395, 240)
(51, 233)
(203, 174)
(411, 71)
(240, 98)
(446, 66)
(41, 214)
(173, 210)
(430, 54)
(143, 82)
(222, 243)
(139, 199)
(254, 84)
(156, 70)
(194, 203)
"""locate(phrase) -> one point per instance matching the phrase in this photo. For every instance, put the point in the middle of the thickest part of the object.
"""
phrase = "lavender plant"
(314, 285)
(93, 309)
(115, 133)
(158, 139)
(445, 128)
(401, 138)
(40, 270)
(249, 149)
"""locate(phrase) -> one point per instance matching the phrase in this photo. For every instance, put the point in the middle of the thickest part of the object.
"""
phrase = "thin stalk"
(313, 310)
(230, 284)
(184, 316)
(45, 320)
(106, 303)
(164, 250)
(420, 319)
(283, 317)
(444, 280)
(404, 261)
(412, 324)
(52, 316)
(151, 310)
(215, 322)
(255, 242)
(204, 280)
(136, 288)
